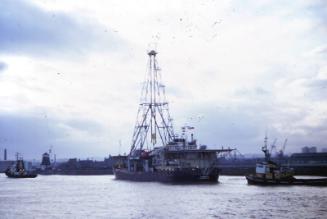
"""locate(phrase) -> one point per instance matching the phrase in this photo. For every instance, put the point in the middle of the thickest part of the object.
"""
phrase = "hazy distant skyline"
(71, 72)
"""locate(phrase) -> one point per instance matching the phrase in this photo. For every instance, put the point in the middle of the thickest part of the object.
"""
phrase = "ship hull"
(181, 175)
(26, 175)
(252, 180)
(77, 172)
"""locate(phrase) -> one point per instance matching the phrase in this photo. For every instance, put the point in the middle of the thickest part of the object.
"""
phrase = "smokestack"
(5, 154)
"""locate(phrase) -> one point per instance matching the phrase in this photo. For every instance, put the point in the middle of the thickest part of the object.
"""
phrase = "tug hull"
(252, 180)
(25, 175)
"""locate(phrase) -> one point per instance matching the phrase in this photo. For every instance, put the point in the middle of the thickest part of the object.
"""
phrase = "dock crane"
(281, 151)
(273, 147)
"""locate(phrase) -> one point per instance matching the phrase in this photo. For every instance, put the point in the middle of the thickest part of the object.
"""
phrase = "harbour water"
(57, 196)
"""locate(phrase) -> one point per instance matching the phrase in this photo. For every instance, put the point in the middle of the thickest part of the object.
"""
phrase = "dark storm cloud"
(33, 135)
(28, 29)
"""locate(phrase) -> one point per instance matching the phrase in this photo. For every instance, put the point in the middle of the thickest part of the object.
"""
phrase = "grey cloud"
(254, 93)
(318, 83)
(318, 9)
(321, 50)
(313, 136)
(244, 126)
(28, 29)
(177, 92)
(236, 127)
(317, 89)
(3, 66)
(32, 135)
(86, 125)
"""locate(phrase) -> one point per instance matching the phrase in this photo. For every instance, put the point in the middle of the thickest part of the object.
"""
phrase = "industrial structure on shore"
(5, 163)
(307, 162)
(303, 163)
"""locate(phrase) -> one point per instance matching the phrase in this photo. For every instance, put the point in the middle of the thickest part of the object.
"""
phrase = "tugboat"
(156, 153)
(270, 173)
(20, 169)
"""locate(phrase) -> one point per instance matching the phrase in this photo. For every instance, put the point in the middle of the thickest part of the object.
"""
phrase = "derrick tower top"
(153, 123)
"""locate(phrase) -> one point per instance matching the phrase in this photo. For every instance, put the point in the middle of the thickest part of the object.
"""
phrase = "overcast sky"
(71, 72)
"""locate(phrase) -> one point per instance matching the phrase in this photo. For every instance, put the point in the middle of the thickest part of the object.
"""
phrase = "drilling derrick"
(153, 123)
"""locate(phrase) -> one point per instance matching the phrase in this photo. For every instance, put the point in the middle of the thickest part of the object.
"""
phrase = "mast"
(153, 122)
(265, 149)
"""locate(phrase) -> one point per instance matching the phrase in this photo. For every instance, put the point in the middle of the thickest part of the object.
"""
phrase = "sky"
(71, 72)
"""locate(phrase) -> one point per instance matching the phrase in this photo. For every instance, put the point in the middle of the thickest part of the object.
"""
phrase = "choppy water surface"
(104, 197)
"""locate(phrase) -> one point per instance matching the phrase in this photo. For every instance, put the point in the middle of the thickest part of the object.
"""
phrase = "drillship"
(156, 153)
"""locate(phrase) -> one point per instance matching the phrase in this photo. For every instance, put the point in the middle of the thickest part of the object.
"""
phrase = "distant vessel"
(157, 154)
(20, 169)
(75, 166)
(270, 173)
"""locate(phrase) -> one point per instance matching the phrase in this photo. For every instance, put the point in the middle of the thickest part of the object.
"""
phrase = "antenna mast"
(265, 149)
(153, 123)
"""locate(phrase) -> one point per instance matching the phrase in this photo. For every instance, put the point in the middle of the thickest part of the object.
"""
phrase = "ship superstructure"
(157, 153)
